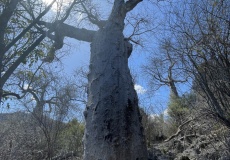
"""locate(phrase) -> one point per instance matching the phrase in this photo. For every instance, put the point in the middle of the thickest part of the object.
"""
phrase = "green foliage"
(178, 107)
(153, 128)
(17, 24)
(71, 137)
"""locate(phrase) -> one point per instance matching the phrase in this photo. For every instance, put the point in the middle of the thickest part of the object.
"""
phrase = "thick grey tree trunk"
(113, 121)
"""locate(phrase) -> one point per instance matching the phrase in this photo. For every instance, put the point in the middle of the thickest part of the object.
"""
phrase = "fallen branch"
(178, 130)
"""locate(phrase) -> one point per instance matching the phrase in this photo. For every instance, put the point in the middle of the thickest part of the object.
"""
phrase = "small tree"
(179, 108)
(71, 138)
(154, 128)
(49, 103)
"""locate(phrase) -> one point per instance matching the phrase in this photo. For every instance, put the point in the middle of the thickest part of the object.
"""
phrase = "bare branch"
(93, 19)
(29, 27)
(21, 59)
(70, 31)
(5, 94)
(178, 130)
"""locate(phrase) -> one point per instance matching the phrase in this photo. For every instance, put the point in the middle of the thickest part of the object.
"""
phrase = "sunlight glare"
(59, 5)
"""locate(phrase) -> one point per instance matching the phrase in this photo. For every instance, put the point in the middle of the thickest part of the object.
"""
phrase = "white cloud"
(157, 116)
(165, 112)
(139, 89)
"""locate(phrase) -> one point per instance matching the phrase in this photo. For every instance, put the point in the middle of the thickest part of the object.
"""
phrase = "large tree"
(113, 121)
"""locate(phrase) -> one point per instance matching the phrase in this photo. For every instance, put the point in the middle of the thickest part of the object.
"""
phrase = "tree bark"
(4, 20)
(113, 121)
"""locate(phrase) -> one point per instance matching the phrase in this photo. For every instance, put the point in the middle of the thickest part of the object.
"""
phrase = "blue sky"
(78, 54)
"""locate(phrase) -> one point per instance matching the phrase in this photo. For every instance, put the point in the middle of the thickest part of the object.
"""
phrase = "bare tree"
(165, 69)
(201, 41)
(49, 101)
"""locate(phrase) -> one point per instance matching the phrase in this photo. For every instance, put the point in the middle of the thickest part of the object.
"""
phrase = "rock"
(199, 148)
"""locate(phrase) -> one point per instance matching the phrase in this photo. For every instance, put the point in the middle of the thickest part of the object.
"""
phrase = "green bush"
(179, 107)
(71, 137)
